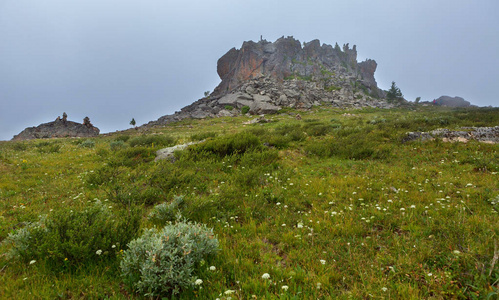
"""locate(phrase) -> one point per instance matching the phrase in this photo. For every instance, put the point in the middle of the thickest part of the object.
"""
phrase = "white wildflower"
(285, 287)
(98, 252)
(265, 276)
(213, 268)
(198, 282)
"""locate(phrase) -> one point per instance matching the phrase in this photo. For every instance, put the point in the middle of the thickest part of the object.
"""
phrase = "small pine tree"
(418, 99)
(132, 122)
(207, 93)
(394, 94)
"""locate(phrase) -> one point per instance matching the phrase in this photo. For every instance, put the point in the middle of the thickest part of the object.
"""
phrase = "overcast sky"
(118, 60)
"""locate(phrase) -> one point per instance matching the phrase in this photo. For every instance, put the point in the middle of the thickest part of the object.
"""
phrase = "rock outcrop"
(267, 76)
(488, 135)
(451, 101)
(59, 128)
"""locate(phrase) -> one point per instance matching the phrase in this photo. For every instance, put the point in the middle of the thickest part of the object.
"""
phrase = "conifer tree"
(394, 94)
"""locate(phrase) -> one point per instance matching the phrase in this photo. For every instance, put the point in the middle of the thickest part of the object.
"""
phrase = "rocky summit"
(451, 101)
(59, 128)
(264, 77)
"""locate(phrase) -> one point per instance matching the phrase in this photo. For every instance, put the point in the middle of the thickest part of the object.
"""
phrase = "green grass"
(331, 206)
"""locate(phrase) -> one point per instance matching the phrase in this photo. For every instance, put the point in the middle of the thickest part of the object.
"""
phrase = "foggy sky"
(118, 60)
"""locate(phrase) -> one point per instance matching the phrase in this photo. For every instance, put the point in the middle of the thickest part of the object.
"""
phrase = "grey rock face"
(268, 76)
(286, 58)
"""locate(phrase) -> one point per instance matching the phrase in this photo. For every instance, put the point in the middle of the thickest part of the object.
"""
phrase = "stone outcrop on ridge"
(451, 101)
(268, 76)
(59, 128)
(488, 135)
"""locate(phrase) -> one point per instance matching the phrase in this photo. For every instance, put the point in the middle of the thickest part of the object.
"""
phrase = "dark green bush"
(19, 146)
(51, 148)
(117, 145)
(245, 110)
(48, 146)
(123, 138)
(317, 129)
(166, 212)
(203, 136)
(294, 132)
(72, 238)
(228, 145)
(152, 140)
(278, 141)
(87, 144)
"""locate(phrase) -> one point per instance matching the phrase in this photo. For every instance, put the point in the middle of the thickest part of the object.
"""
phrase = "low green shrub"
(228, 107)
(152, 140)
(123, 138)
(332, 88)
(54, 148)
(245, 109)
(117, 145)
(72, 238)
(164, 262)
(293, 131)
(203, 136)
(87, 144)
(48, 147)
(150, 195)
(19, 146)
(227, 145)
(317, 129)
(278, 141)
(165, 212)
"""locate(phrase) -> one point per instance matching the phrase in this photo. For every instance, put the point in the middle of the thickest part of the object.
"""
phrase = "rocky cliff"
(267, 76)
(59, 128)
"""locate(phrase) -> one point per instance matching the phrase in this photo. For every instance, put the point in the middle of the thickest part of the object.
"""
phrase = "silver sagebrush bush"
(162, 262)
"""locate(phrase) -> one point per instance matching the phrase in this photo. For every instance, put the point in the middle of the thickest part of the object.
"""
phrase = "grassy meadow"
(331, 206)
